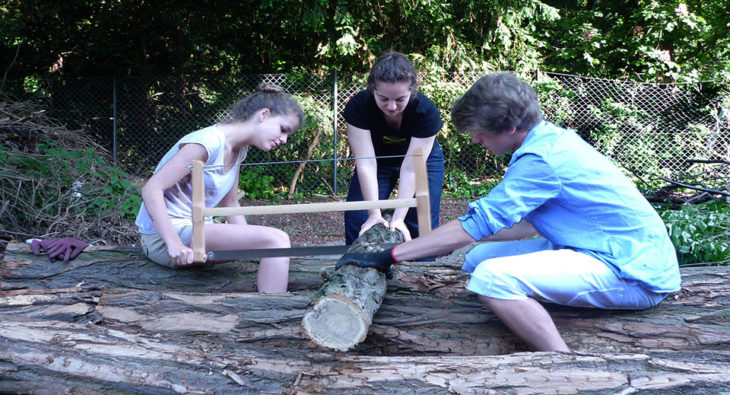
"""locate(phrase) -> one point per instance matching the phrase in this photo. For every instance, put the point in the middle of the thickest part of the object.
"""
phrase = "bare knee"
(279, 238)
(489, 302)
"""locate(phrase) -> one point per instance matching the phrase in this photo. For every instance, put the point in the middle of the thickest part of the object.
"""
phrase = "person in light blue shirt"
(564, 226)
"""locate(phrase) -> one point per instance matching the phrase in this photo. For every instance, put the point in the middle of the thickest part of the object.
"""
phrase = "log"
(39, 355)
(426, 309)
(101, 322)
(407, 323)
(127, 267)
(340, 313)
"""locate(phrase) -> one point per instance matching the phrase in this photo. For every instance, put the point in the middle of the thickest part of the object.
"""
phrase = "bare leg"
(273, 273)
(529, 321)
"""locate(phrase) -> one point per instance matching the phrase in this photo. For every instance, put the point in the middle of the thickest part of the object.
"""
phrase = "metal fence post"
(114, 119)
(334, 126)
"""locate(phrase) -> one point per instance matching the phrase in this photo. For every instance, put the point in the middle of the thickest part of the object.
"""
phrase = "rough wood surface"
(110, 321)
(342, 310)
(407, 323)
(60, 357)
(126, 267)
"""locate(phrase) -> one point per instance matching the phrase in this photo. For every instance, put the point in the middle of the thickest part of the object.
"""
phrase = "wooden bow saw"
(199, 211)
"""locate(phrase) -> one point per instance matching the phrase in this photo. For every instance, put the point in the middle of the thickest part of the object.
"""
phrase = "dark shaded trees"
(668, 40)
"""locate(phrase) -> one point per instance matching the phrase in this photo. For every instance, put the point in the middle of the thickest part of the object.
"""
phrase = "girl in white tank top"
(264, 119)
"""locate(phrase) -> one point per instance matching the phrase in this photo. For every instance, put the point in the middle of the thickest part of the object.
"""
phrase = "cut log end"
(342, 310)
(335, 323)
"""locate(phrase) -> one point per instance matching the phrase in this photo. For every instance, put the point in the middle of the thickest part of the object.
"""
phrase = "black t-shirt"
(421, 119)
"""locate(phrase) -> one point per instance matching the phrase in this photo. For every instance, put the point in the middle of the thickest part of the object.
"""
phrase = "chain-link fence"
(647, 128)
(651, 130)
(661, 134)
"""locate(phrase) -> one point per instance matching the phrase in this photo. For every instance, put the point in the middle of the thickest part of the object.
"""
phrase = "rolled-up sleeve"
(529, 182)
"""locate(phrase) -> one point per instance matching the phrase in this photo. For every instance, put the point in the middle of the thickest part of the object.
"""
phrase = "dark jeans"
(387, 180)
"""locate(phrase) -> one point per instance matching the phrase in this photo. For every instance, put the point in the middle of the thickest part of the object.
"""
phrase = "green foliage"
(55, 190)
(700, 233)
(255, 184)
(647, 144)
(460, 185)
(621, 124)
(216, 36)
(626, 134)
(555, 100)
(674, 40)
(82, 182)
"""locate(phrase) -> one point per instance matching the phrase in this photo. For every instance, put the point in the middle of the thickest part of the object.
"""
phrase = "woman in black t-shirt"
(391, 118)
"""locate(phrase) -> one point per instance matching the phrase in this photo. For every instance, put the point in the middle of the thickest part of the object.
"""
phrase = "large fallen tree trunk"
(341, 311)
(104, 333)
(47, 357)
(126, 267)
(407, 322)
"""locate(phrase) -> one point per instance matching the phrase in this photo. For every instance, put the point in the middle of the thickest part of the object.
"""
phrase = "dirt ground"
(307, 229)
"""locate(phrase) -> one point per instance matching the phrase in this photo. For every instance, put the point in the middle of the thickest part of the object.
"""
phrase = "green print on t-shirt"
(393, 140)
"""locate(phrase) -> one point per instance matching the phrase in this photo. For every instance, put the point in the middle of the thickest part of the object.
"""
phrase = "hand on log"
(342, 311)
(381, 260)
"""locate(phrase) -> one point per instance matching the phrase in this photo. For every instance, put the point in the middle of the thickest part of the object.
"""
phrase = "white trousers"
(536, 269)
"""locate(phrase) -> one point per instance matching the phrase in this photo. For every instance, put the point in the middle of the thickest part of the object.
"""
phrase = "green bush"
(54, 190)
(256, 184)
(700, 233)
(460, 185)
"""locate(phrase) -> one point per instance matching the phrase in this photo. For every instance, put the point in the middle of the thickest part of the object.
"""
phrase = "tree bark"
(340, 313)
(409, 322)
(126, 267)
(41, 356)
(109, 321)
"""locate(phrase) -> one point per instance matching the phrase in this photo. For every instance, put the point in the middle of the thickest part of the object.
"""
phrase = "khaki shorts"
(155, 249)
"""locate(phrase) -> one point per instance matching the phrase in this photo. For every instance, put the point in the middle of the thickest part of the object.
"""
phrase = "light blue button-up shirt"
(577, 198)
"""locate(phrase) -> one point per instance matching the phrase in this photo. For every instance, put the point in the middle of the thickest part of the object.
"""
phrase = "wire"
(301, 161)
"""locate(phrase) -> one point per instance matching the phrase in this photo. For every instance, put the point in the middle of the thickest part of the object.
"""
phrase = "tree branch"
(694, 187)
(10, 66)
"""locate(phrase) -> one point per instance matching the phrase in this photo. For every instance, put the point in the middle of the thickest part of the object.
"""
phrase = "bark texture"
(341, 312)
(62, 357)
(110, 322)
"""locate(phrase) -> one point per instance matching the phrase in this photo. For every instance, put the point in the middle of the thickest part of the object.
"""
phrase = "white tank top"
(218, 182)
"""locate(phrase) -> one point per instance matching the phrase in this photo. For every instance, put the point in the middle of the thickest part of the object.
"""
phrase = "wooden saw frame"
(421, 201)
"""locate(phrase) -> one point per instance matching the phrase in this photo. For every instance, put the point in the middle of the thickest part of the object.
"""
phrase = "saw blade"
(232, 255)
